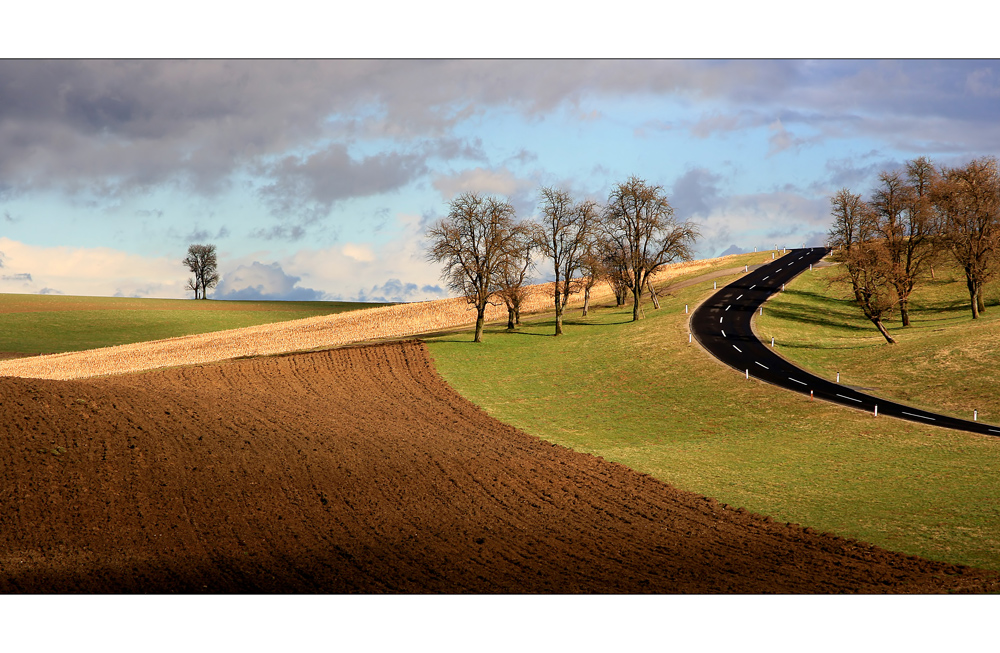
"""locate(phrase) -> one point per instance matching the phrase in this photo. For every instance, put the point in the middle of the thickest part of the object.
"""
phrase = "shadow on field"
(821, 311)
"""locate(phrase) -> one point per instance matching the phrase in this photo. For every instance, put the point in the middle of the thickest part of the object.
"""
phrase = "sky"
(316, 178)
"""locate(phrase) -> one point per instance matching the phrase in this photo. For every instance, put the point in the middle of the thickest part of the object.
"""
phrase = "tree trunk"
(586, 301)
(637, 296)
(652, 295)
(558, 311)
(979, 298)
(517, 315)
(904, 311)
(881, 329)
(510, 318)
(480, 318)
(973, 295)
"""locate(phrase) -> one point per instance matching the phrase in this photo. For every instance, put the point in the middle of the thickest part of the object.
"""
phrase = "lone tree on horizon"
(202, 263)
(473, 242)
(639, 224)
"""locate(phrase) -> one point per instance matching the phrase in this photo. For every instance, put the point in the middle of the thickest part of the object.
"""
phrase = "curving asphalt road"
(722, 326)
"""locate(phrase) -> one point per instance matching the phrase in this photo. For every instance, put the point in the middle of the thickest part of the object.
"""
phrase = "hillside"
(269, 475)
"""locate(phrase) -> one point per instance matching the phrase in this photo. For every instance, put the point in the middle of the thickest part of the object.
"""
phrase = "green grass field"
(639, 394)
(944, 361)
(47, 324)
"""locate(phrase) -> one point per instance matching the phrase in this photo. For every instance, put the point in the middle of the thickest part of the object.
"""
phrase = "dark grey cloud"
(109, 128)
(50, 291)
(308, 186)
(203, 235)
(21, 276)
(696, 192)
(259, 281)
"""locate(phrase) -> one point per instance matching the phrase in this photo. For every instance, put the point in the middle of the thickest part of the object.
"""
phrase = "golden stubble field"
(322, 332)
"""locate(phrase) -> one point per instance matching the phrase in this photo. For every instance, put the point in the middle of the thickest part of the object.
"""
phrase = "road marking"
(797, 381)
(720, 320)
(738, 298)
(723, 333)
(729, 307)
(752, 287)
(766, 278)
(737, 349)
(851, 398)
(993, 431)
(762, 365)
(915, 415)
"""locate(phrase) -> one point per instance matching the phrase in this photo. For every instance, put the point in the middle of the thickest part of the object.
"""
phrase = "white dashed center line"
(762, 365)
(740, 297)
(723, 333)
(737, 349)
(915, 415)
(797, 381)
(851, 398)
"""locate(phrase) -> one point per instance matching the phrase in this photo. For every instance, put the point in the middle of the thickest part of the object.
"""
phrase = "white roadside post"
(748, 374)
(876, 410)
(772, 342)
(685, 308)
(975, 416)
(838, 377)
(761, 310)
(689, 338)
(715, 285)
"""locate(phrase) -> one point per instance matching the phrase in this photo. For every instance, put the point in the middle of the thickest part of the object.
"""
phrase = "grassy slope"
(45, 324)
(639, 394)
(944, 361)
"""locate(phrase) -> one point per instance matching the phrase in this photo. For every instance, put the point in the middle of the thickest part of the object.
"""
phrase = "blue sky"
(315, 179)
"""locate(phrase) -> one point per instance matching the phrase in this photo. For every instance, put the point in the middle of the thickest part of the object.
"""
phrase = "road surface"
(722, 326)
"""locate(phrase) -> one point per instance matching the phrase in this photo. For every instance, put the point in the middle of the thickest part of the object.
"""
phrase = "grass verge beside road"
(640, 394)
(944, 361)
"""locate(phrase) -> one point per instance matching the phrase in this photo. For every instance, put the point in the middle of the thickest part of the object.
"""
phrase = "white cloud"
(98, 271)
(482, 180)
(267, 282)
(361, 253)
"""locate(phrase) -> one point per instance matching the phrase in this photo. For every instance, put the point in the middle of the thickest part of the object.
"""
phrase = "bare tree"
(513, 273)
(201, 261)
(471, 242)
(615, 268)
(561, 237)
(593, 270)
(866, 257)
(926, 242)
(904, 224)
(640, 222)
(968, 202)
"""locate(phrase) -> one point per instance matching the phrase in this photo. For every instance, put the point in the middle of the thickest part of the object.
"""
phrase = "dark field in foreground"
(359, 470)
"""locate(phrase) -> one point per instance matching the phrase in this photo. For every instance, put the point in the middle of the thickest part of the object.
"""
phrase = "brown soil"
(360, 470)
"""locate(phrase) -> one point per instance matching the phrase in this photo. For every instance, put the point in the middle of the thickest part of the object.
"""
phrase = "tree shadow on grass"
(820, 311)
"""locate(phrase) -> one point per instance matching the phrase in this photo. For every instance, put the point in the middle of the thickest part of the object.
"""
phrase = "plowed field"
(360, 470)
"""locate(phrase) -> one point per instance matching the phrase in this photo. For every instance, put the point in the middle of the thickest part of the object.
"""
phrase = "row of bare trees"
(488, 254)
(913, 218)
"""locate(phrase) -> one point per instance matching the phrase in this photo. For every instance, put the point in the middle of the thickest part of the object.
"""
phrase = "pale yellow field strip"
(324, 331)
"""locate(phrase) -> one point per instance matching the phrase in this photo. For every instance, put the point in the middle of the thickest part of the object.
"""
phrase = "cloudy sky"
(316, 179)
